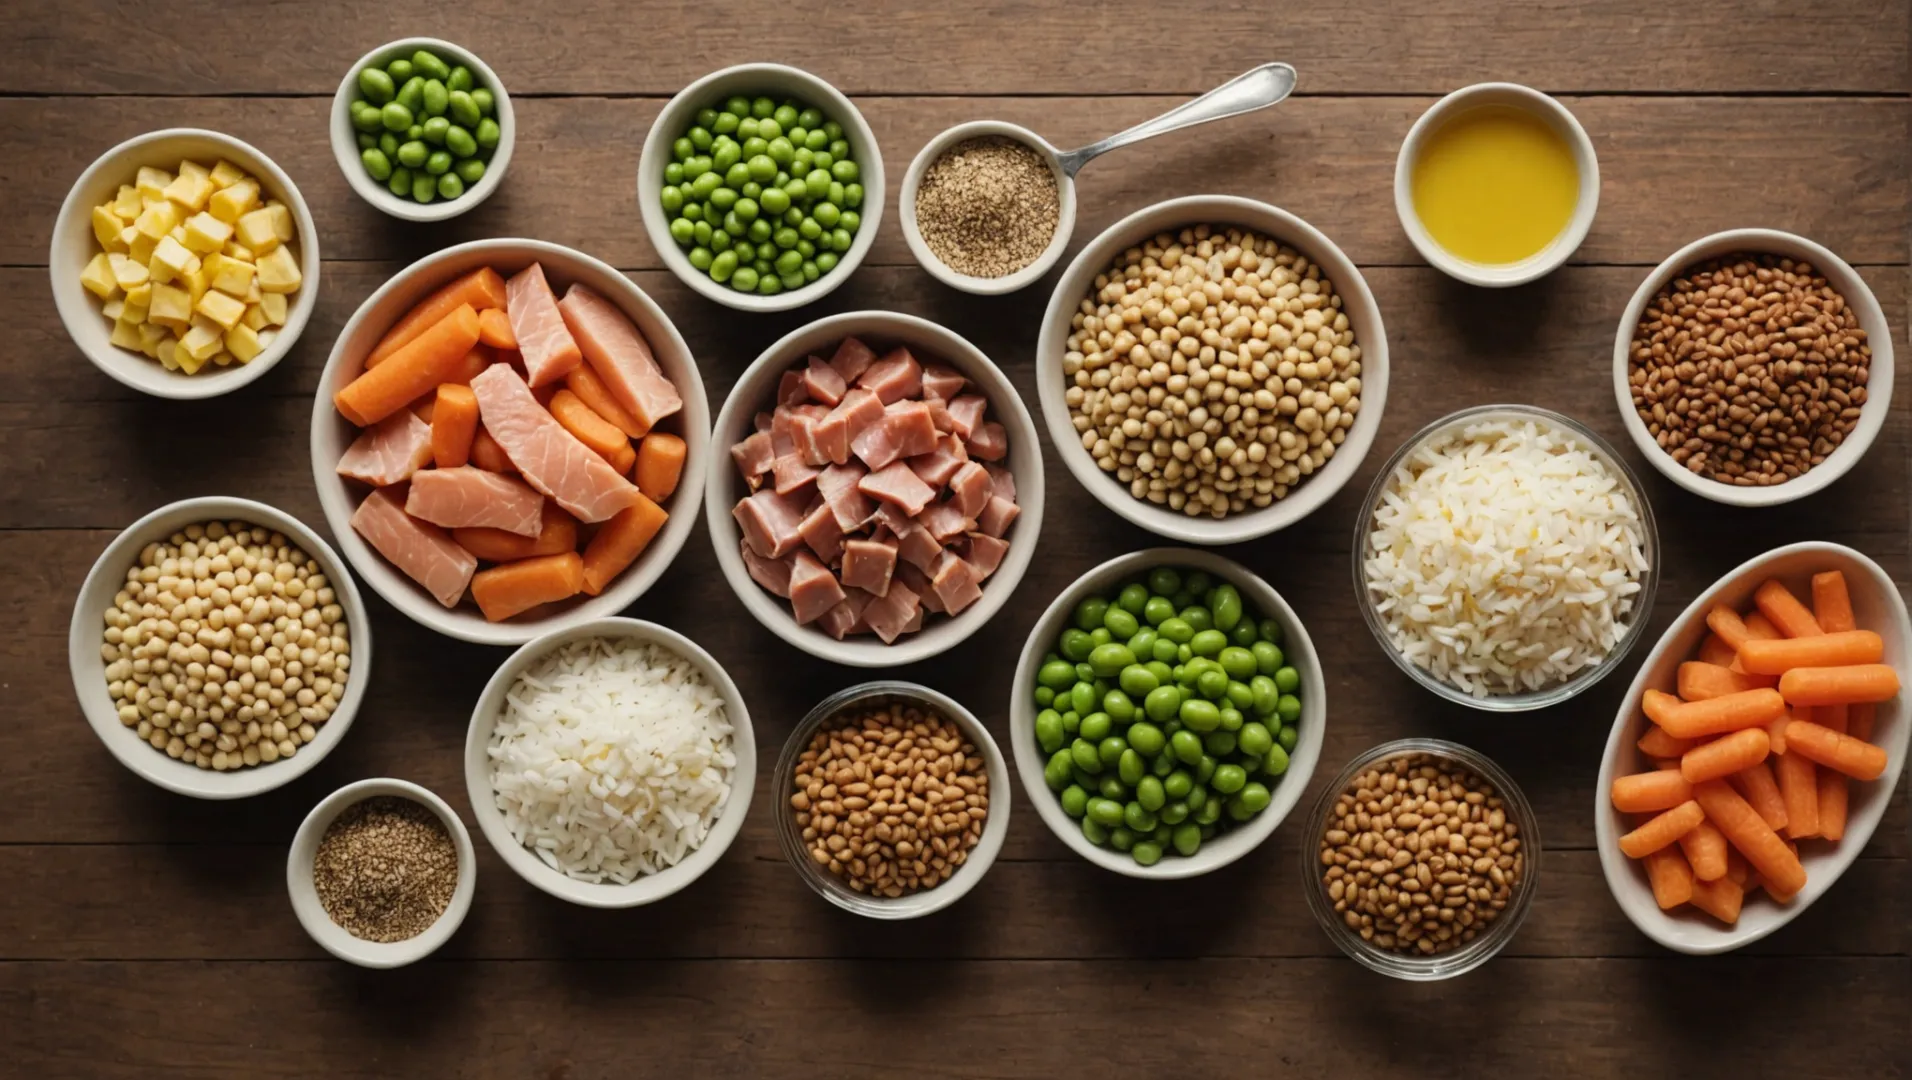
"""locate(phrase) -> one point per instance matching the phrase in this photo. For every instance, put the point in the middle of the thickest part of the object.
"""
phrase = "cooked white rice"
(1504, 557)
(612, 759)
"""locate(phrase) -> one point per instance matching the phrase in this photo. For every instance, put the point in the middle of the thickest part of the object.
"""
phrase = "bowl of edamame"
(761, 186)
(422, 129)
(1167, 713)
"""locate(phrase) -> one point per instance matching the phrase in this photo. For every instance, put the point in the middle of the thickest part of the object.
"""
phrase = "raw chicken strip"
(422, 550)
(620, 355)
(468, 498)
(551, 458)
(390, 451)
(548, 349)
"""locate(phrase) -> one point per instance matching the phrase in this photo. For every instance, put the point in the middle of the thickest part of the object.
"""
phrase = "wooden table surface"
(143, 934)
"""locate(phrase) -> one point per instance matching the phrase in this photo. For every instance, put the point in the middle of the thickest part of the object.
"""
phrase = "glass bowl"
(975, 864)
(1642, 601)
(1486, 945)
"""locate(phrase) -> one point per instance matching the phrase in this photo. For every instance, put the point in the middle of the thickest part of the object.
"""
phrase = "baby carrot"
(1756, 784)
(1662, 830)
(517, 587)
(1856, 684)
(619, 542)
(454, 424)
(660, 463)
(1859, 720)
(1650, 792)
(1834, 797)
(1715, 716)
(1857, 759)
(1760, 628)
(477, 360)
(1714, 650)
(583, 382)
(594, 431)
(1671, 876)
(1705, 849)
(482, 289)
(1699, 680)
(1721, 899)
(1841, 649)
(1743, 829)
(1799, 786)
(1831, 603)
(1777, 603)
(1657, 743)
(1737, 871)
(488, 455)
(494, 329)
(433, 357)
(1725, 756)
(1728, 626)
(426, 407)
(557, 534)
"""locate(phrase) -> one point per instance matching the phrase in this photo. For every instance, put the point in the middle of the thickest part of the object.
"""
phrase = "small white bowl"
(875, 695)
(332, 434)
(84, 640)
(1169, 217)
(1239, 839)
(345, 146)
(756, 390)
(1878, 606)
(74, 245)
(1858, 295)
(752, 80)
(1546, 260)
(644, 890)
(339, 941)
(1008, 283)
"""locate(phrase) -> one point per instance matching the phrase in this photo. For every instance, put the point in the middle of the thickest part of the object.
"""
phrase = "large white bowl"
(1239, 839)
(1878, 606)
(1858, 295)
(74, 246)
(89, 669)
(645, 890)
(332, 433)
(345, 146)
(1168, 217)
(752, 80)
(756, 390)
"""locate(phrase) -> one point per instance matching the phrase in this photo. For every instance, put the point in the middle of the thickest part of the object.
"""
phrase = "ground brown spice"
(385, 869)
(988, 206)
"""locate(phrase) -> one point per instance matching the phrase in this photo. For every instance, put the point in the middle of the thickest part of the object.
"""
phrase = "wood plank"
(1330, 160)
(1014, 47)
(1540, 1018)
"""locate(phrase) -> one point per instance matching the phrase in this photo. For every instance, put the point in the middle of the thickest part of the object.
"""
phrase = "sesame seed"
(988, 206)
(385, 869)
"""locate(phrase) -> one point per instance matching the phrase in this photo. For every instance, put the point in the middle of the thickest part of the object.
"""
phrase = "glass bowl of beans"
(893, 800)
(1397, 883)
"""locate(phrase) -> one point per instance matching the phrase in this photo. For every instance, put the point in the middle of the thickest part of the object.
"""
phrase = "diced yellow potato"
(222, 358)
(255, 317)
(157, 220)
(98, 277)
(139, 296)
(205, 233)
(226, 174)
(243, 342)
(113, 309)
(220, 308)
(205, 338)
(168, 353)
(135, 314)
(281, 219)
(125, 271)
(178, 232)
(152, 182)
(171, 255)
(279, 272)
(267, 337)
(126, 204)
(190, 167)
(274, 305)
(256, 231)
(186, 362)
(189, 191)
(196, 283)
(236, 250)
(229, 276)
(126, 336)
(231, 203)
(107, 228)
(140, 248)
(254, 294)
(150, 335)
(171, 307)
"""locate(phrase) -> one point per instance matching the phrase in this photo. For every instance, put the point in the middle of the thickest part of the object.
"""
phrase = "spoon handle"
(1257, 88)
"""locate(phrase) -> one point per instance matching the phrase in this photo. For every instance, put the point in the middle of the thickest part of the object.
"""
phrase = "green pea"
(1085, 673)
(674, 173)
(1254, 797)
(1162, 703)
(1220, 742)
(826, 261)
(1071, 722)
(1085, 756)
(461, 79)
(434, 129)
(1240, 695)
(1133, 598)
(1095, 832)
(1200, 716)
(817, 183)
(851, 219)
(1156, 611)
(1288, 708)
(1109, 660)
(832, 129)
(486, 134)
(1184, 654)
(724, 199)
(1175, 812)
(1044, 696)
(699, 256)
(412, 155)
(1238, 662)
(424, 187)
(416, 131)
(376, 163)
(1197, 798)
(785, 238)
(1057, 675)
(1130, 767)
(1075, 801)
(1270, 631)
(439, 163)
(820, 161)
(395, 116)
(1138, 681)
(366, 141)
(700, 137)
(376, 85)
(1288, 680)
(1205, 769)
(1138, 817)
(1266, 695)
(1119, 706)
(1229, 779)
(1146, 853)
(1112, 787)
(775, 200)
(450, 187)
(1176, 629)
(1122, 838)
(388, 143)
(428, 64)
(1244, 633)
(1178, 784)
(1287, 737)
(721, 269)
(400, 70)
(852, 196)
(400, 183)
(840, 239)
(1275, 761)
(810, 271)
(1105, 812)
(1212, 683)
(1187, 747)
(411, 94)
(1089, 613)
(1227, 608)
(1110, 749)
(768, 129)
(1187, 839)
(1254, 739)
(1083, 698)
(1075, 645)
(1164, 580)
(1206, 642)
(1165, 651)
(435, 98)
(1095, 726)
(681, 230)
(825, 215)
(1146, 738)
(460, 142)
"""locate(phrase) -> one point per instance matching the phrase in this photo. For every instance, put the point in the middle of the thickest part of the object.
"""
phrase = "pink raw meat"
(985, 554)
(868, 564)
(425, 552)
(858, 410)
(547, 346)
(551, 458)
(988, 442)
(954, 582)
(772, 574)
(842, 620)
(997, 516)
(1002, 480)
(852, 359)
(838, 486)
(823, 382)
(620, 356)
(910, 425)
(942, 381)
(790, 389)
(390, 451)
(897, 484)
(945, 521)
(813, 589)
(793, 473)
(937, 466)
(966, 413)
(895, 377)
(754, 456)
(971, 489)
(918, 549)
(470, 498)
(890, 615)
(821, 533)
(769, 522)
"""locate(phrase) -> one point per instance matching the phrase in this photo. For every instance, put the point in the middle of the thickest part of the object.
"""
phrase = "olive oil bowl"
(1496, 184)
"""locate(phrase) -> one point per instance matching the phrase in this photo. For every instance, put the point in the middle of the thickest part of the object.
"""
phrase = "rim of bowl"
(339, 941)
(345, 143)
(463, 622)
(1287, 793)
(969, 283)
(1858, 295)
(714, 86)
(951, 347)
(88, 668)
(1547, 259)
(649, 888)
(1485, 946)
(975, 864)
(136, 370)
(1643, 600)
(1286, 228)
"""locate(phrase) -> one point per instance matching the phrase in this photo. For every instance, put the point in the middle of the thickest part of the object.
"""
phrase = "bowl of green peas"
(1167, 713)
(761, 186)
(422, 129)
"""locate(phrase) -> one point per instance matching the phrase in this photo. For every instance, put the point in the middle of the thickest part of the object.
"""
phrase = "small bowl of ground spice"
(987, 207)
(1753, 367)
(381, 873)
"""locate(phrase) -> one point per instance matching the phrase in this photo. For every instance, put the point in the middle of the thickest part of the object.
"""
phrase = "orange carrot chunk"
(1671, 877)
(517, 587)
(594, 431)
(1705, 848)
(1725, 756)
(620, 541)
(433, 357)
(1776, 863)
(454, 425)
(1831, 603)
(482, 289)
(1857, 684)
(1721, 899)
(1656, 743)
(1835, 750)
(1699, 681)
(1777, 603)
(1841, 649)
(1728, 626)
(1760, 628)
(1714, 650)
(1660, 831)
(494, 329)
(1650, 792)
(1756, 784)
(1799, 786)
(488, 455)
(583, 382)
(1834, 799)
(1714, 716)
(557, 534)
(660, 464)
(477, 360)
(1737, 871)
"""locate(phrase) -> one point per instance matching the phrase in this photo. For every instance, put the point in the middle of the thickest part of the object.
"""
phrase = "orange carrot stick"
(1799, 786)
(454, 424)
(1699, 681)
(1743, 829)
(482, 289)
(1834, 798)
(1728, 626)
(1841, 649)
(477, 360)
(1671, 876)
(415, 369)
(488, 455)
(1714, 650)
(594, 431)
(1650, 792)
(1661, 831)
(1737, 871)
(583, 382)
(426, 407)
(660, 464)
(1721, 899)
(1656, 743)
(1705, 849)
(1857, 684)
(1857, 759)
(517, 587)
(1859, 720)
(1725, 756)
(1756, 784)
(1761, 628)
(494, 329)
(1714, 716)
(1777, 603)
(619, 542)
(1831, 603)
(557, 534)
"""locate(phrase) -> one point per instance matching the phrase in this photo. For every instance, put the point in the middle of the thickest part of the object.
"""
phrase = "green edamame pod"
(434, 130)
(396, 117)
(412, 154)
(460, 142)
(400, 70)
(435, 97)
(411, 94)
(376, 163)
(376, 85)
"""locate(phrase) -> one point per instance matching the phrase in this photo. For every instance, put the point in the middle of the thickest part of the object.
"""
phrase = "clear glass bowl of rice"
(1570, 613)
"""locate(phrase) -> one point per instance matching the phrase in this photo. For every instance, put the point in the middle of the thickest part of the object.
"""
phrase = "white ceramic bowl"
(756, 390)
(1858, 295)
(1535, 103)
(644, 890)
(84, 640)
(1239, 839)
(334, 938)
(876, 695)
(1168, 217)
(345, 146)
(751, 80)
(332, 434)
(1878, 606)
(1008, 283)
(74, 246)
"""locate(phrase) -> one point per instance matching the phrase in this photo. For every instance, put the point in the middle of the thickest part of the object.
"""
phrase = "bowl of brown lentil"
(1753, 367)
(381, 873)
(1423, 859)
(885, 857)
(987, 207)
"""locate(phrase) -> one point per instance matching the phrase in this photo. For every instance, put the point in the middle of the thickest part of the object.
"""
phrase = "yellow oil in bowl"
(1495, 185)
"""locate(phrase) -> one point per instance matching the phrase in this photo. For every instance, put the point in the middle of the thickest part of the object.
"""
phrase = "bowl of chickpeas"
(1219, 366)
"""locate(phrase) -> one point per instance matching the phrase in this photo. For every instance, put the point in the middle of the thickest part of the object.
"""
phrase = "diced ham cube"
(966, 413)
(790, 389)
(821, 533)
(847, 617)
(918, 549)
(954, 582)
(838, 486)
(837, 432)
(937, 466)
(769, 522)
(897, 484)
(772, 574)
(793, 474)
(813, 588)
(895, 377)
(911, 427)
(895, 520)
(942, 381)
(939, 414)
(753, 457)
(823, 382)
(798, 424)
(945, 521)
(761, 422)
(852, 359)
(997, 516)
(876, 446)
(892, 614)
(970, 488)
(1003, 481)
(985, 554)
(868, 564)
(916, 621)
(989, 442)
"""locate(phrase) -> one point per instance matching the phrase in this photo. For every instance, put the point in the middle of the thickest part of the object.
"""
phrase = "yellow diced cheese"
(274, 305)
(189, 191)
(204, 339)
(113, 309)
(205, 233)
(236, 250)
(220, 308)
(127, 272)
(168, 353)
(126, 336)
(107, 228)
(255, 230)
(172, 306)
(278, 271)
(172, 256)
(126, 204)
(243, 342)
(254, 318)
(157, 220)
(152, 182)
(98, 277)
(139, 296)
(231, 203)
(229, 276)
(226, 174)
(141, 247)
